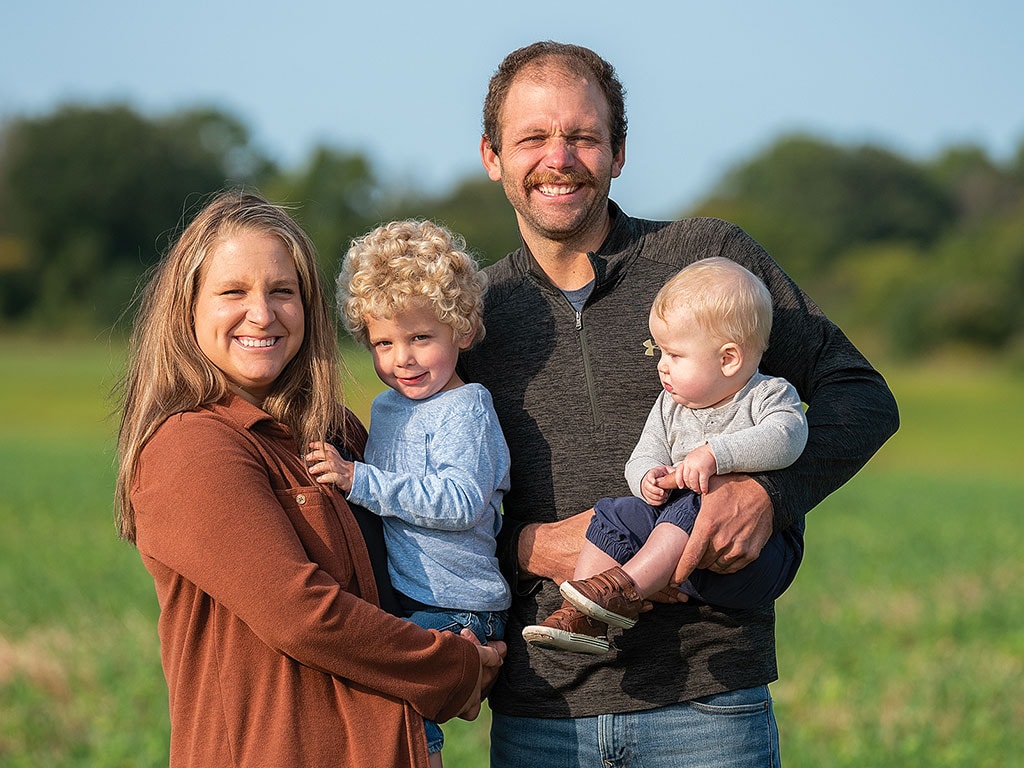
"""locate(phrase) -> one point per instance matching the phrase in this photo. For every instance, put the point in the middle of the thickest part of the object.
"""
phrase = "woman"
(273, 646)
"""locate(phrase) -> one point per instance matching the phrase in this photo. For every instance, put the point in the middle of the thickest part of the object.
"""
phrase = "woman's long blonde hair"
(167, 372)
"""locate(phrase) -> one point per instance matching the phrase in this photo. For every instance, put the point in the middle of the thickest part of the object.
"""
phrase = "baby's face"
(691, 367)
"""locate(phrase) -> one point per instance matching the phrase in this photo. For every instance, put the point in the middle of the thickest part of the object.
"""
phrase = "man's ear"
(732, 358)
(619, 160)
(490, 159)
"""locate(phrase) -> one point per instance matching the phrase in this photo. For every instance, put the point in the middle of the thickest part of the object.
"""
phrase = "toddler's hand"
(327, 466)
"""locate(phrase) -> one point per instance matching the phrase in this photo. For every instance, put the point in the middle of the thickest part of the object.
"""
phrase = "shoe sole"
(560, 640)
(592, 609)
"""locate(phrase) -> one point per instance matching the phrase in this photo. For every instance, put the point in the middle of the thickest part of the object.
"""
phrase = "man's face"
(556, 161)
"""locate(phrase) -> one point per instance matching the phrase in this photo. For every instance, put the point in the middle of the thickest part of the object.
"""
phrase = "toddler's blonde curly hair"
(406, 260)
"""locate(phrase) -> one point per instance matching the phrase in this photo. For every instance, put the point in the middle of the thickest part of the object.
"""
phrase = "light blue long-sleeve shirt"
(436, 471)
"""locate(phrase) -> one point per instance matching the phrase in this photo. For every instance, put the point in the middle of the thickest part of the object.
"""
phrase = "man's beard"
(540, 221)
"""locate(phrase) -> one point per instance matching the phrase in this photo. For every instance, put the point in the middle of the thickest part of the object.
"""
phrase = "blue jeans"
(734, 730)
(486, 625)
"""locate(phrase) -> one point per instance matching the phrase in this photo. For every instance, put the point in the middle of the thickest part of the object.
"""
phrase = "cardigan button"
(301, 498)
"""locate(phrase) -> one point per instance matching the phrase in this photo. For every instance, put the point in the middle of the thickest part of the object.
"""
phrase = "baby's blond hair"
(727, 301)
(402, 261)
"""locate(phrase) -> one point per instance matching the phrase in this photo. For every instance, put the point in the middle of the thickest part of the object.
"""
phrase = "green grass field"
(901, 643)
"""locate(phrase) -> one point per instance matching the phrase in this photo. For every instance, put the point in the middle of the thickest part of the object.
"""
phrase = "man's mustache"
(574, 177)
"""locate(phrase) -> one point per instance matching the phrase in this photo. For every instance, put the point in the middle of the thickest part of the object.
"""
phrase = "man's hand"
(549, 550)
(734, 523)
(669, 594)
(490, 663)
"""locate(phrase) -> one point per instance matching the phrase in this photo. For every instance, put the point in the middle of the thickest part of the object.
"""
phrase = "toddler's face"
(414, 353)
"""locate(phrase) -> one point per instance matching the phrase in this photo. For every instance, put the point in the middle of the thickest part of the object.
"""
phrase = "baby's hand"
(327, 466)
(697, 469)
(656, 485)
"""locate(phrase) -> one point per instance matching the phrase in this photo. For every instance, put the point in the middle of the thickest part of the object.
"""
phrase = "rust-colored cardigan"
(273, 648)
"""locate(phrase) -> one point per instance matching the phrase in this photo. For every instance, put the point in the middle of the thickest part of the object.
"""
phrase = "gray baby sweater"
(761, 429)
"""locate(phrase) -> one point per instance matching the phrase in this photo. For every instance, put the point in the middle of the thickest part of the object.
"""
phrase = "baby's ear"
(732, 358)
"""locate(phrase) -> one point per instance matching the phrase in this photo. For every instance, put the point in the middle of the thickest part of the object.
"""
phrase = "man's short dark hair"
(573, 59)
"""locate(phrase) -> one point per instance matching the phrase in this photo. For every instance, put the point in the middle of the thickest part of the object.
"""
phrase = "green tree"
(90, 195)
(969, 295)
(979, 188)
(336, 197)
(808, 201)
(477, 209)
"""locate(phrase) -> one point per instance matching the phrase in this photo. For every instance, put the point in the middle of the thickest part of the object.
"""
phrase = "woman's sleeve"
(206, 509)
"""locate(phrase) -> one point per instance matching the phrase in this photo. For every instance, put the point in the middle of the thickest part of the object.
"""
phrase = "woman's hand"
(491, 657)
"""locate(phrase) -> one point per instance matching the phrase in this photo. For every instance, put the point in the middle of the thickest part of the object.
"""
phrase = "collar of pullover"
(619, 248)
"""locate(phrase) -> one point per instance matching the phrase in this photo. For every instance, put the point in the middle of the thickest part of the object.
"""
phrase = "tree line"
(920, 257)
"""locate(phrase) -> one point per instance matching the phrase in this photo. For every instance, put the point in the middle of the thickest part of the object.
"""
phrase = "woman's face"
(249, 320)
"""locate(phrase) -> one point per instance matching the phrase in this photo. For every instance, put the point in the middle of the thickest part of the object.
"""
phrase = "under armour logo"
(649, 347)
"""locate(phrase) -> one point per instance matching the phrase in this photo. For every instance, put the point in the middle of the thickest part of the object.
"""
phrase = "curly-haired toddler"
(436, 463)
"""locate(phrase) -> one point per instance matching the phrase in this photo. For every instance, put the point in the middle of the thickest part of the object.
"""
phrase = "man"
(569, 361)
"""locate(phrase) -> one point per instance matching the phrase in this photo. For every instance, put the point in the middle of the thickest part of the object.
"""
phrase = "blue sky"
(708, 83)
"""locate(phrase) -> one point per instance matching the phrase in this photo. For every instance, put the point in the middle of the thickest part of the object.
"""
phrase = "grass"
(901, 643)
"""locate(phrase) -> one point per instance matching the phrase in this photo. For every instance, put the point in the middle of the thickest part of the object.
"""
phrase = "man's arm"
(735, 522)
(851, 411)
(548, 550)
